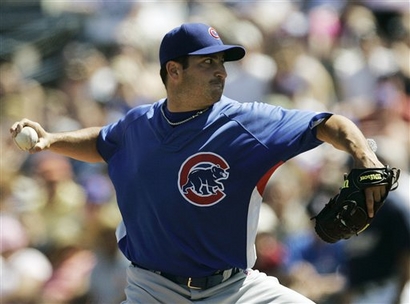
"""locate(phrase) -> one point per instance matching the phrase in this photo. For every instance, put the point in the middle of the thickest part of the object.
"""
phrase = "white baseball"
(26, 139)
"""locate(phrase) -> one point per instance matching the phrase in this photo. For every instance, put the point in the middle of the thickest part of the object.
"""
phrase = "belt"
(201, 283)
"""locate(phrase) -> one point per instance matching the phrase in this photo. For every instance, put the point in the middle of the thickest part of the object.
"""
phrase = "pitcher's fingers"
(18, 125)
(377, 196)
(369, 202)
(16, 128)
(379, 193)
(42, 144)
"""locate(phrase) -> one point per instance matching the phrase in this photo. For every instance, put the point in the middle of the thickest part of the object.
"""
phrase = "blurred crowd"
(58, 216)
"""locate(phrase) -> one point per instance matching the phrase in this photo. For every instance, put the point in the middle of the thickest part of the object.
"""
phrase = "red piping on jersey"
(261, 185)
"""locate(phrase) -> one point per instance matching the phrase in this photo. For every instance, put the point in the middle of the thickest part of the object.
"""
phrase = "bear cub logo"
(205, 181)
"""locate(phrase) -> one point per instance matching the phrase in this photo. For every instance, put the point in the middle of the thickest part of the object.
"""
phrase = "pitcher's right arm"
(80, 144)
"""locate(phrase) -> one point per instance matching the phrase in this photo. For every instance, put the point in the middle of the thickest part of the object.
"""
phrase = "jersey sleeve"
(285, 132)
(111, 137)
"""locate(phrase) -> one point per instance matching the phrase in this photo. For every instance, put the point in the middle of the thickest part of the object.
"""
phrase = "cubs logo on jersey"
(201, 179)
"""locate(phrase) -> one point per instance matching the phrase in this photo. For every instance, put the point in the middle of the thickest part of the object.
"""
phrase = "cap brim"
(232, 52)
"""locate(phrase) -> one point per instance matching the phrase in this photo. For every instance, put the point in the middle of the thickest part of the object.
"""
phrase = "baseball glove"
(346, 213)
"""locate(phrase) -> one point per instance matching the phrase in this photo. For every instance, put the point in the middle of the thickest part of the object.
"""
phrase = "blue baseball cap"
(196, 39)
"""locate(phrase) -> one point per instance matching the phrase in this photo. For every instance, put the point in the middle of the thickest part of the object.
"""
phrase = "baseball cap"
(196, 39)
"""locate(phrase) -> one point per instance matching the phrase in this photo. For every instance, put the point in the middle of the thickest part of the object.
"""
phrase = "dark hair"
(183, 60)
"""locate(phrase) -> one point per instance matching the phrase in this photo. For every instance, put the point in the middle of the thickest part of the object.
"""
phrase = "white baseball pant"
(252, 286)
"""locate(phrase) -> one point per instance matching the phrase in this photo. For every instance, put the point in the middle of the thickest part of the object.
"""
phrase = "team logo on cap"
(201, 179)
(213, 33)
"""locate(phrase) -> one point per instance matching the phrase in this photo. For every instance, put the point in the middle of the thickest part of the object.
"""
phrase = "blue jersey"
(190, 195)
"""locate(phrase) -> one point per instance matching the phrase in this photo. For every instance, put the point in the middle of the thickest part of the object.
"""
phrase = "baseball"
(26, 139)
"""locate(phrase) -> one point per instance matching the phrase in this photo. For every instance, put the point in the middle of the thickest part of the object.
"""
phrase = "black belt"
(197, 283)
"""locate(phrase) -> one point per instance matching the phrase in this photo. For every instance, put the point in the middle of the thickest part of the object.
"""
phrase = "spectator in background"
(54, 210)
(250, 79)
(286, 197)
(388, 121)
(270, 251)
(313, 267)
(386, 243)
(107, 279)
(24, 269)
(70, 280)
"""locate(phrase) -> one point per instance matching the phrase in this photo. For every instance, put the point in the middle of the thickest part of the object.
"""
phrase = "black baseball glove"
(346, 213)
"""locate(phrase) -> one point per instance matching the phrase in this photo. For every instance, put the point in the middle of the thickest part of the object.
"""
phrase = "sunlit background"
(74, 64)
